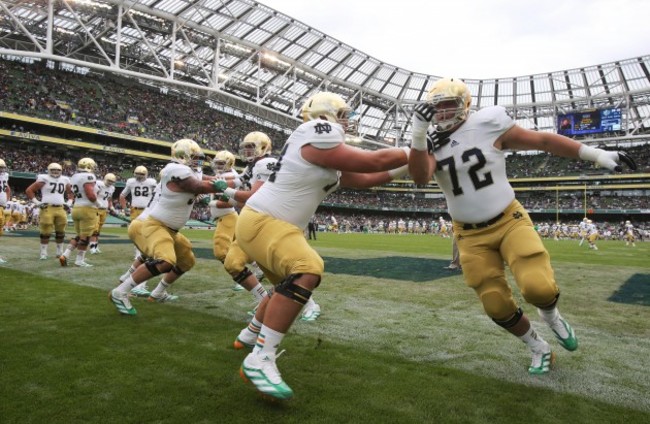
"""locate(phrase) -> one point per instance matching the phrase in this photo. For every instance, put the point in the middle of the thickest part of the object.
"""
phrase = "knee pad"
(498, 303)
(82, 242)
(242, 275)
(293, 291)
(77, 238)
(550, 305)
(176, 270)
(45, 237)
(512, 321)
(152, 266)
(59, 236)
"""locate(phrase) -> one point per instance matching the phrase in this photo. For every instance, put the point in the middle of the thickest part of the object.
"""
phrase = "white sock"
(127, 273)
(268, 341)
(44, 249)
(68, 251)
(531, 338)
(126, 285)
(259, 292)
(160, 288)
(59, 249)
(81, 256)
(552, 317)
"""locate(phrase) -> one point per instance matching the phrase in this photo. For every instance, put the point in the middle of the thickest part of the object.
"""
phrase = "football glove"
(606, 159)
(422, 116)
(219, 185)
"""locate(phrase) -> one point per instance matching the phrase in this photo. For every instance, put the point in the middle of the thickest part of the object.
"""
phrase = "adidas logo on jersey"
(454, 143)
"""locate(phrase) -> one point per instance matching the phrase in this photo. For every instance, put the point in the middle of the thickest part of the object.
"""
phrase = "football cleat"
(2, 260)
(310, 314)
(165, 297)
(240, 344)
(83, 264)
(237, 287)
(260, 369)
(43, 258)
(121, 302)
(542, 360)
(63, 260)
(570, 343)
(141, 290)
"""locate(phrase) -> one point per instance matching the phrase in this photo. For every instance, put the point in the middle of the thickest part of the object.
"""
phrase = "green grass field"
(401, 340)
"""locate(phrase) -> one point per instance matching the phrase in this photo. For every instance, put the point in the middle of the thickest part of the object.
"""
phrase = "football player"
(53, 189)
(161, 242)
(141, 189)
(84, 211)
(583, 227)
(315, 161)
(630, 237)
(5, 195)
(104, 191)
(465, 153)
(592, 234)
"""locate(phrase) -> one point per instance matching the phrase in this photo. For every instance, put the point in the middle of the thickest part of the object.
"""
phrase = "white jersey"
(53, 190)
(4, 183)
(174, 208)
(471, 171)
(141, 191)
(294, 190)
(78, 181)
(219, 212)
(152, 202)
(104, 195)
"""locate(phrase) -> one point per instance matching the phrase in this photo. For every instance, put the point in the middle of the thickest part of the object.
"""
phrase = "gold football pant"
(512, 240)
(162, 243)
(223, 236)
(279, 248)
(85, 219)
(52, 218)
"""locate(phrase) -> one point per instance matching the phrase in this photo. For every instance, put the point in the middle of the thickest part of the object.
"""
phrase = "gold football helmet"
(328, 106)
(448, 90)
(140, 173)
(187, 152)
(54, 170)
(223, 161)
(86, 164)
(109, 179)
(3, 166)
(255, 145)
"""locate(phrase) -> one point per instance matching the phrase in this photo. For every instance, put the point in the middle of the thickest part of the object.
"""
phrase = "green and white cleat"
(310, 313)
(122, 302)
(237, 287)
(165, 297)
(570, 343)
(140, 290)
(542, 361)
(260, 369)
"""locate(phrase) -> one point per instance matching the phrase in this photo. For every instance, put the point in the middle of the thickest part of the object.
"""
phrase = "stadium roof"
(254, 59)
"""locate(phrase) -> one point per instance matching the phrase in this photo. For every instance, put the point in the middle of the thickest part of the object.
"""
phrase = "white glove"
(69, 203)
(422, 116)
(36, 202)
(605, 159)
(236, 182)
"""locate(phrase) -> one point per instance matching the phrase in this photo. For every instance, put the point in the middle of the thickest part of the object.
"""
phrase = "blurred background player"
(104, 190)
(592, 234)
(53, 189)
(140, 188)
(162, 243)
(630, 237)
(84, 211)
(5, 195)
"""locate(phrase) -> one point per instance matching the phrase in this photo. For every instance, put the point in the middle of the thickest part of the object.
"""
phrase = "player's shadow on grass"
(636, 290)
(391, 267)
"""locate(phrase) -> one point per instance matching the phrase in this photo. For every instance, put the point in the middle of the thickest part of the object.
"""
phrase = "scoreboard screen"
(589, 122)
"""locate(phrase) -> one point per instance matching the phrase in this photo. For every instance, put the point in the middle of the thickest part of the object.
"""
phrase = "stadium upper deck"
(255, 61)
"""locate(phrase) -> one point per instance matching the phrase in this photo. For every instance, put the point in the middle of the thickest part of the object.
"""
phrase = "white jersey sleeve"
(173, 208)
(4, 183)
(471, 171)
(296, 187)
(104, 194)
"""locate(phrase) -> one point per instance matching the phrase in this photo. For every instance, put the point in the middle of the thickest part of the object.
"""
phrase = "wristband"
(588, 153)
(230, 192)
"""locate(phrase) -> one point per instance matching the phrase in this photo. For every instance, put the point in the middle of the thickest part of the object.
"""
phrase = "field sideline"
(400, 340)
